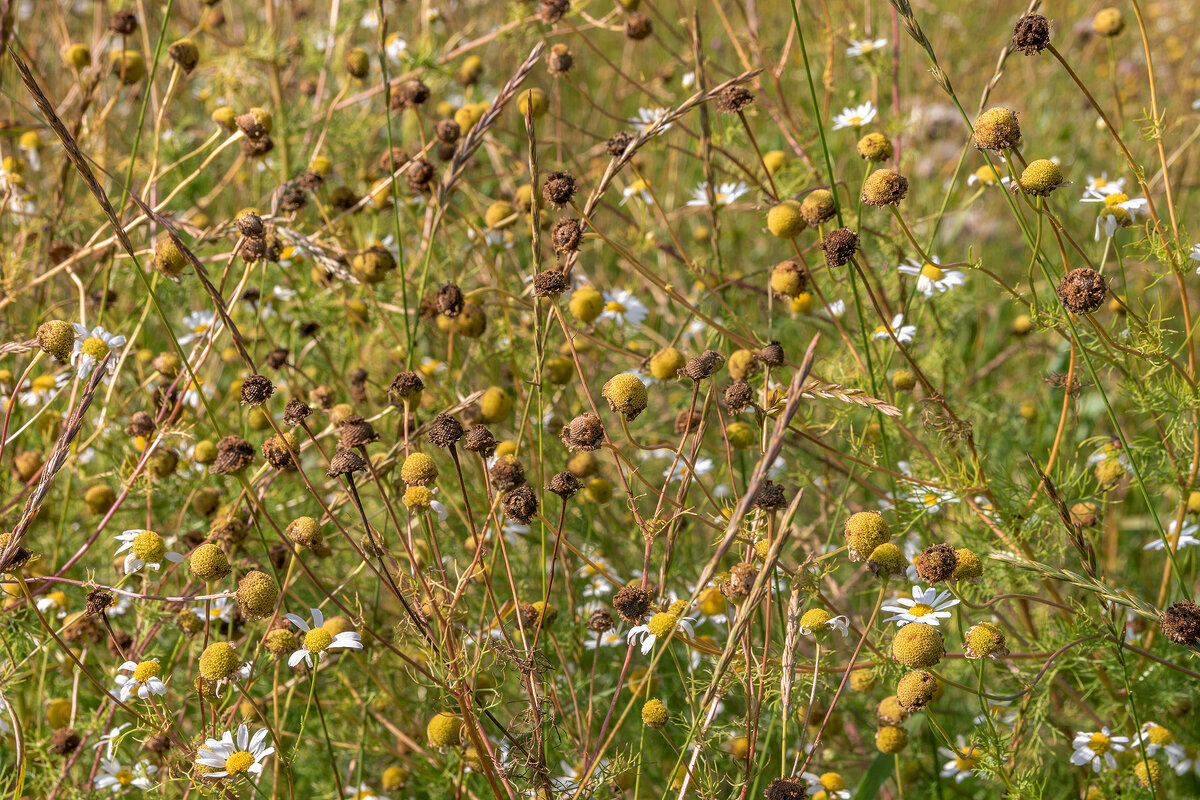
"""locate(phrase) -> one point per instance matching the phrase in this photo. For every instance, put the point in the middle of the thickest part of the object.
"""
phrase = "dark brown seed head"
(277, 358)
(253, 249)
(840, 245)
(123, 22)
(565, 235)
(1181, 623)
(480, 440)
(159, 743)
(97, 601)
(703, 366)
(772, 354)
(600, 621)
(296, 411)
(184, 53)
(506, 473)
(734, 98)
(638, 27)
(770, 496)
(276, 452)
(528, 615)
(355, 432)
(521, 504)
(741, 579)
(405, 385)
(64, 742)
(256, 390)
(632, 603)
(785, 789)
(559, 60)
(936, 563)
(447, 131)
(617, 143)
(233, 455)
(565, 485)
(292, 199)
(1082, 291)
(450, 300)
(346, 462)
(585, 432)
(409, 95)
(738, 395)
(444, 431)
(552, 11)
(550, 283)
(140, 424)
(1031, 35)
(559, 188)
(687, 421)
(420, 175)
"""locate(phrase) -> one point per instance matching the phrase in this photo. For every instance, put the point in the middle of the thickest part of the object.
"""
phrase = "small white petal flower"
(651, 119)
(855, 117)
(114, 776)
(962, 764)
(725, 194)
(230, 757)
(142, 679)
(624, 308)
(904, 333)
(926, 605)
(91, 347)
(861, 47)
(317, 640)
(931, 278)
(1097, 749)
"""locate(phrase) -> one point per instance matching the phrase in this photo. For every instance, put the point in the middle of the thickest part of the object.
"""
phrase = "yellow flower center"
(1115, 199)
(214, 613)
(929, 499)
(1159, 735)
(124, 777)
(1099, 743)
(146, 670)
(239, 762)
(932, 271)
(856, 120)
(148, 546)
(43, 383)
(615, 307)
(987, 174)
(920, 610)
(866, 47)
(833, 782)
(662, 623)
(884, 329)
(317, 640)
(1100, 183)
(95, 347)
(640, 185)
(965, 760)
(59, 598)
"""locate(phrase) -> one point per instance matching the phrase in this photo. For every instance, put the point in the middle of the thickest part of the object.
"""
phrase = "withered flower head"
(450, 300)
(479, 440)
(566, 235)
(346, 462)
(565, 485)
(233, 455)
(585, 432)
(703, 366)
(521, 504)
(559, 188)
(256, 390)
(355, 432)
(1031, 35)
(734, 98)
(444, 431)
(296, 411)
(550, 283)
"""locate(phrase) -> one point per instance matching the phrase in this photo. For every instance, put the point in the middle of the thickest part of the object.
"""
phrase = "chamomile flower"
(230, 757)
(660, 625)
(395, 48)
(912, 549)
(831, 783)
(1185, 762)
(42, 389)
(53, 604)
(855, 117)
(904, 333)
(688, 80)
(91, 347)
(926, 605)
(196, 325)
(999, 711)
(317, 640)
(1102, 185)
(219, 610)
(651, 119)
(1097, 749)
(142, 679)
(1185, 538)
(818, 619)
(612, 638)
(703, 466)
(1195, 255)
(861, 47)
(146, 549)
(640, 188)
(931, 498)
(931, 278)
(962, 763)
(835, 309)
(624, 308)
(361, 792)
(118, 778)
(4, 726)
(1155, 737)
(725, 194)
(110, 740)
(370, 20)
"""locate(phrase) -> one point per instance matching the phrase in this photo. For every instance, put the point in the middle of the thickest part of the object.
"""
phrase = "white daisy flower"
(114, 776)
(688, 80)
(142, 679)
(1155, 737)
(370, 20)
(53, 604)
(612, 638)
(1188, 761)
(661, 624)
(361, 792)
(640, 188)
(651, 119)
(999, 712)
(830, 783)
(317, 640)
(904, 333)
(1102, 185)
(912, 549)
(835, 309)
(822, 621)
(623, 308)
(926, 605)
(220, 610)
(931, 499)
(90, 348)
(931, 278)
(674, 473)
(987, 175)
(1186, 537)
(1134, 205)
(855, 117)
(1097, 749)
(197, 324)
(962, 764)
(395, 48)
(41, 390)
(726, 194)
(109, 740)
(230, 758)
(146, 548)
(860, 47)
(4, 726)
(1195, 255)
